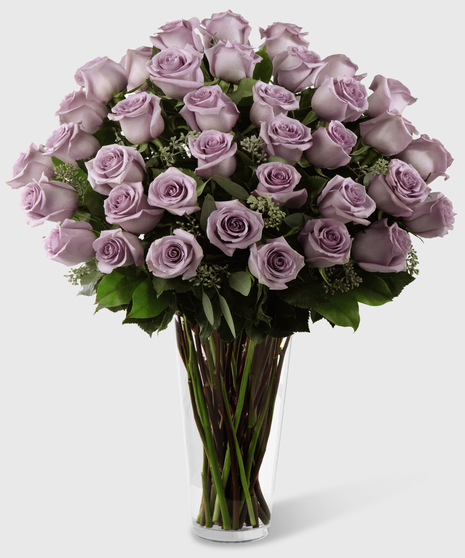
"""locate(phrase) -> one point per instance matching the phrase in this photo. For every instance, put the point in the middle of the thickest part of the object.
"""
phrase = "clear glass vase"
(232, 398)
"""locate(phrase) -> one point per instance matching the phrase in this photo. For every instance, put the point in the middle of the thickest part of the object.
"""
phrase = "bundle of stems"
(233, 388)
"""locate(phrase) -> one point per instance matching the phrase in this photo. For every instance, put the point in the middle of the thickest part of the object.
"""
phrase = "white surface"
(91, 450)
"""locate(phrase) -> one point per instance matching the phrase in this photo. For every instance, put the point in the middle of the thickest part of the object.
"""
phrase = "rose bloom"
(233, 226)
(296, 68)
(31, 165)
(176, 71)
(225, 26)
(279, 36)
(139, 116)
(428, 156)
(175, 255)
(101, 78)
(135, 64)
(48, 200)
(275, 263)
(278, 180)
(342, 98)
(388, 95)
(286, 137)
(76, 107)
(113, 165)
(431, 218)
(174, 191)
(326, 242)
(345, 200)
(331, 146)
(389, 133)
(70, 142)
(399, 191)
(70, 243)
(337, 65)
(214, 152)
(178, 34)
(127, 206)
(208, 108)
(231, 61)
(117, 248)
(270, 101)
(381, 247)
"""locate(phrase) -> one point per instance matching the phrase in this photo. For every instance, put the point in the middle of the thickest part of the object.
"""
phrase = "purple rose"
(178, 34)
(431, 218)
(70, 243)
(275, 263)
(296, 68)
(428, 156)
(70, 142)
(214, 152)
(279, 36)
(326, 242)
(76, 107)
(270, 101)
(127, 206)
(135, 64)
(382, 248)
(331, 146)
(345, 200)
(342, 98)
(338, 65)
(31, 165)
(225, 26)
(101, 78)
(208, 108)
(139, 116)
(174, 191)
(175, 255)
(176, 71)
(389, 133)
(117, 248)
(278, 180)
(231, 61)
(113, 165)
(233, 226)
(48, 200)
(286, 138)
(399, 191)
(389, 95)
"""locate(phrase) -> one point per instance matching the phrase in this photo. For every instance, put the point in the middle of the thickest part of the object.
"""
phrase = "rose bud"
(70, 243)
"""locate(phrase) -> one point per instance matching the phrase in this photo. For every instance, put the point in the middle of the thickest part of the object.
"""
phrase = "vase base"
(217, 534)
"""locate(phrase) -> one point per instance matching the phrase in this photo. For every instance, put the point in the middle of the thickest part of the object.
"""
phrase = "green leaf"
(227, 314)
(309, 118)
(117, 288)
(241, 282)
(264, 69)
(208, 308)
(373, 291)
(341, 311)
(207, 208)
(243, 90)
(235, 190)
(146, 303)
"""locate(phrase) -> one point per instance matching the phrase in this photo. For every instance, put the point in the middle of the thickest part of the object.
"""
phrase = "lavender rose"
(117, 248)
(101, 78)
(214, 152)
(70, 243)
(70, 142)
(342, 98)
(337, 65)
(176, 71)
(31, 165)
(208, 108)
(286, 137)
(345, 200)
(48, 200)
(428, 156)
(381, 247)
(389, 133)
(400, 190)
(113, 165)
(76, 107)
(127, 206)
(225, 26)
(270, 101)
(278, 180)
(178, 34)
(279, 36)
(297, 68)
(331, 146)
(326, 242)
(233, 226)
(432, 218)
(175, 255)
(174, 191)
(231, 61)
(388, 95)
(135, 64)
(139, 116)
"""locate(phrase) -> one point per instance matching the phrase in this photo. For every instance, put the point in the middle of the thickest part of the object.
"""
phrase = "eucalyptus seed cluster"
(178, 146)
(190, 225)
(272, 214)
(68, 174)
(342, 280)
(381, 166)
(413, 262)
(253, 145)
(209, 275)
